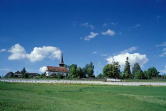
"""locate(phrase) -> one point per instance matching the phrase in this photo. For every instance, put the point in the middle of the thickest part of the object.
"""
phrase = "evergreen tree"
(23, 71)
(127, 72)
(136, 68)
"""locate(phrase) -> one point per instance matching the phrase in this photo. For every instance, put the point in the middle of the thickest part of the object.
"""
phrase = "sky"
(33, 33)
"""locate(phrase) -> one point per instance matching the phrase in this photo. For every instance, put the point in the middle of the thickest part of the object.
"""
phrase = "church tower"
(61, 64)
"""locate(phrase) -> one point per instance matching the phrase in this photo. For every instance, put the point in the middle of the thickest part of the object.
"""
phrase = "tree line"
(113, 71)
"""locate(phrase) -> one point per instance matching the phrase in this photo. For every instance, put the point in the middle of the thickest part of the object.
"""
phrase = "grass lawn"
(61, 97)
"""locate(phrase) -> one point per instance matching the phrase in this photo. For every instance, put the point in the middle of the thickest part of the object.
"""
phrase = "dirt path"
(85, 82)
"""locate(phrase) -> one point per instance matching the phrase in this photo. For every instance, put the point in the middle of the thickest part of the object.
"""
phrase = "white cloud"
(164, 53)
(133, 58)
(92, 35)
(138, 25)
(109, 32)
(109, 24)
(43, 69)
(38, 54)
(3, 50)
(128, 50)
(86, 24)
(94, 52)
(161, 45)
(17, 52)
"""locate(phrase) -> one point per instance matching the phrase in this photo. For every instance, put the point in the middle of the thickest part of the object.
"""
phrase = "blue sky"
(33, 33)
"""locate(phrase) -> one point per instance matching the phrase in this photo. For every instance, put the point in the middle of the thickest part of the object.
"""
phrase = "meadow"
(77, 97)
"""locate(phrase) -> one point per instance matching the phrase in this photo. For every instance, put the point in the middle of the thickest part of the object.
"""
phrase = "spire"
(61, 64)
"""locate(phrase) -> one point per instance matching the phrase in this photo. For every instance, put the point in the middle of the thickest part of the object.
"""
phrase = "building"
(18, 74)
(57, 70)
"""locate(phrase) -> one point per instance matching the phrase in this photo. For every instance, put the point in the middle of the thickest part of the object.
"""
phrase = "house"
(9, 74)
(57, 70)
(32, 74)
(18, 74)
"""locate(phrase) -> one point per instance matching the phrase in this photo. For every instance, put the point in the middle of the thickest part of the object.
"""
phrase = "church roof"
(57, 69)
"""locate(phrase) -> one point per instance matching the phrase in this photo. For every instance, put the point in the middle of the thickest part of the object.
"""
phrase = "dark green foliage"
(112, 70)
(90, 72)
(136, 68)
(152, 72)
(73, 71)
(146, 75)
(100, 75)
(43, 75)
(139, 75)
(127, 71)
(23, 71)
(54, 75)
(25, 75)
(80, 72)
(88, 69)
(60, 76)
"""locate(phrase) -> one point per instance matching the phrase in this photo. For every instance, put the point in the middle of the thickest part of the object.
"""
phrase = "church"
(57, 70)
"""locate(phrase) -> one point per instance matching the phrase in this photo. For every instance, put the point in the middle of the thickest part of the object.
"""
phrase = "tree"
(73, 71)
(23, 71)
(116, 69)
(112, 70)
(136, 68)
(146, 74)
(100, 75)
(80, 72)
(127, 72)
(88, 69)
(139, 74)
(152, 72)
(90, 72)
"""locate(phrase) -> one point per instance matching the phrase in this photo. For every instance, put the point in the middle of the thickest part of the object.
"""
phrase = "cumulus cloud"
(92, 35)
(161, 45)
(17, 52)
(3, 50)
(128, 50)
(38, 54)
(164, 53)
(109, 32)
(43, 69)
(86, 24)
(133, 58)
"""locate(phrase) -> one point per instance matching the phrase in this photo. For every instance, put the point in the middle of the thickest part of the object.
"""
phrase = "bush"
(60, 76)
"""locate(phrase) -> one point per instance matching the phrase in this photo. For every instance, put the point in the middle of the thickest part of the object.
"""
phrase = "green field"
(62, 97)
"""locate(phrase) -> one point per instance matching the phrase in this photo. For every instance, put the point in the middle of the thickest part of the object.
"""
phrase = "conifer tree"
(127, 71)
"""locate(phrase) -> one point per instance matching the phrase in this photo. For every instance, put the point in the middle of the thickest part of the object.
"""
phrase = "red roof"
(57, 69)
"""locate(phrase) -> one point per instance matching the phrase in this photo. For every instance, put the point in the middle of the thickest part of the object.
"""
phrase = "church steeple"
(61, 64)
